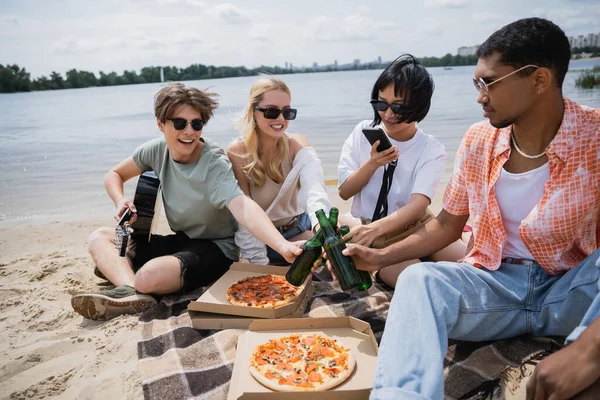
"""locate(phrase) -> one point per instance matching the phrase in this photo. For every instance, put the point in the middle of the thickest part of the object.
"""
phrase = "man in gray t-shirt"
(202, 201)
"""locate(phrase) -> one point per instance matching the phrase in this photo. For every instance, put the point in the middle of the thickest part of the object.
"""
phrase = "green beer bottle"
(303, 264)
(311, 251)
(333, 217)
(347, 275)
(367, 282)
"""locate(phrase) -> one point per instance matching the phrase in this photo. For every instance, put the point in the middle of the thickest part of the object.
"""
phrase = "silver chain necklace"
(514, 142)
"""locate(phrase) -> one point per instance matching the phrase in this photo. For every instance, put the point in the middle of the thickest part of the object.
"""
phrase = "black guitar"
(145, 201)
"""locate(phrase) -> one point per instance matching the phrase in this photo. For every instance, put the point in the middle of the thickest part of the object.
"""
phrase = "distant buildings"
(467, 50)
(576, 42)
(589, 40)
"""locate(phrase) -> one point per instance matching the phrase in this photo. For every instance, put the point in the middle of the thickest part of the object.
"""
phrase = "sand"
(47, 350)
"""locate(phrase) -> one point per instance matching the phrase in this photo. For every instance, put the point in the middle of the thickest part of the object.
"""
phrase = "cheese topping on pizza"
(301, 363)
(263, 291)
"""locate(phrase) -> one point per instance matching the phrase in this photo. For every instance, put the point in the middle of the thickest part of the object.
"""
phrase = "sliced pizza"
(301, 363)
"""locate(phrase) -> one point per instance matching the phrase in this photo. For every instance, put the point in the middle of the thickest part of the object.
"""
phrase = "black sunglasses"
(380, 105)
(273, 113)
(181, 123)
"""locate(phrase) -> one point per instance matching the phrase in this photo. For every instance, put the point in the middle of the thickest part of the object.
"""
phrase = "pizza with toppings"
(263, 291)
(301, 363)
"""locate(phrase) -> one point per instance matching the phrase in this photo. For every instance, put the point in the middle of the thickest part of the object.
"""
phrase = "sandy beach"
(47, 349)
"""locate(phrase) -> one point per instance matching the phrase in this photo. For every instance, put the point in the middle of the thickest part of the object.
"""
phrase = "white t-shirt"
(420, 167)
(517, 196)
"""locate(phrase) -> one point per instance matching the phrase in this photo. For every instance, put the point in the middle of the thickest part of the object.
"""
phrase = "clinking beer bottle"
(364, 275)
(311, 251)
(303, 264)
(347, 275)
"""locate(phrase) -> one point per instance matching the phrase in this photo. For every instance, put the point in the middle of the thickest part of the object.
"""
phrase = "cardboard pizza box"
(348, 331)
(206, 320)
(214, 300)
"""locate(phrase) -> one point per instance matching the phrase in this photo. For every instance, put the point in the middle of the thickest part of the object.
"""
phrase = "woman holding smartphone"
(393, 188)
(277, 169)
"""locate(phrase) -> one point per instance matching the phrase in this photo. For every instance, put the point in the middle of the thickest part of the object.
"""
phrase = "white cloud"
(431, 27)
(193, 3)
(486, 17)
(231, 14)
(10, 19)
(78, 46)
(135, 40)
(354, 27)
(578, 18)
(446, 3)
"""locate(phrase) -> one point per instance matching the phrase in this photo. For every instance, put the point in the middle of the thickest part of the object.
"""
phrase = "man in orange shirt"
(529, 179)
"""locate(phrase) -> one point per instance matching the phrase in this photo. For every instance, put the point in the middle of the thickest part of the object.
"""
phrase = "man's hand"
(363, 257)
(363, 234)
(122, 206)
(290, 250)
(565, 373)
(383, 157)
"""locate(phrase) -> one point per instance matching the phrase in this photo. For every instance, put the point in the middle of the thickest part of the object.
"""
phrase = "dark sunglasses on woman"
(382, 106)
(273, 113)
(181, 123)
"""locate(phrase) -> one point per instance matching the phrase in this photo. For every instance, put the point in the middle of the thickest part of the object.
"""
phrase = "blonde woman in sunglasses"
(277, 169)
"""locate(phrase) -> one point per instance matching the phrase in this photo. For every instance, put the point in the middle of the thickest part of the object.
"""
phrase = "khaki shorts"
(402, 233)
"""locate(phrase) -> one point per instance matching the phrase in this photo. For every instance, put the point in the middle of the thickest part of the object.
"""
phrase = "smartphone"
(125, 217)
(375, 134)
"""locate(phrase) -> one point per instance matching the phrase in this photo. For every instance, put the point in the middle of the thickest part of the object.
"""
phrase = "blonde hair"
(254, 169)
(174, 95)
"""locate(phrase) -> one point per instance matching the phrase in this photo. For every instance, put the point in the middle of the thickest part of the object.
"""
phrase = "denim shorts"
(201, 260)
(303, 225)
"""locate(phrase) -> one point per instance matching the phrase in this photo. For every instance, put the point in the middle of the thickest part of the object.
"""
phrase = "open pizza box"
(207, 320)
(348, 331)
(214, 300)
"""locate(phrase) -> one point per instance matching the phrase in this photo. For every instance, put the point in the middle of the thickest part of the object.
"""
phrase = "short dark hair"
(412, 82)
(530, 41)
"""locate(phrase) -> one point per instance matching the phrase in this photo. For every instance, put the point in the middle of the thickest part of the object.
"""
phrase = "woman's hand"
(384, 157)
(122, 206)
(364, 235)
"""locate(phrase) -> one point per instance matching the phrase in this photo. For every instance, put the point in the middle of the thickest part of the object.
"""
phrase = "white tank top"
(517, 196)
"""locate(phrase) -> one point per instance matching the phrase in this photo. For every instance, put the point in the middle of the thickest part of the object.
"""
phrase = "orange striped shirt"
(563, 228)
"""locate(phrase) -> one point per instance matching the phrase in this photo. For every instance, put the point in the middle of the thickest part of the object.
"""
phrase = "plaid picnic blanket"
(177, 361)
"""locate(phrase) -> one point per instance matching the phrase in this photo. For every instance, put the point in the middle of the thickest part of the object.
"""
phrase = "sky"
(116, 35)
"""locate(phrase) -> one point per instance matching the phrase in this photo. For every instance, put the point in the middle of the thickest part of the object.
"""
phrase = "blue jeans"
(436, 301)
(302, 226)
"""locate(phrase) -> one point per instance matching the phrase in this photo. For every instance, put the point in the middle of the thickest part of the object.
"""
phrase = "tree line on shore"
(14, 78)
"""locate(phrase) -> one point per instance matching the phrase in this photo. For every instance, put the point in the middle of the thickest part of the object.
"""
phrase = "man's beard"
(502, 124)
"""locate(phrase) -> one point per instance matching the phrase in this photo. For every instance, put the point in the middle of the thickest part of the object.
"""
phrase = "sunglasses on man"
(483, 87)
(181, 123)
(382, 106)
(273, 113)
